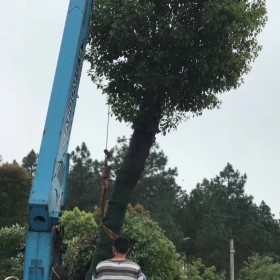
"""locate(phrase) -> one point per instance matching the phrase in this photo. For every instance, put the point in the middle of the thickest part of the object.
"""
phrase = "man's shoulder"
(103, 263)
(132, 263)
(110, 262)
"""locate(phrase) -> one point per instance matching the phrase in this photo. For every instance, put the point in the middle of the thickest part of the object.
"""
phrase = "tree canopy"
(84, 184)
(181, 54)
(15, 183)
(30, 162)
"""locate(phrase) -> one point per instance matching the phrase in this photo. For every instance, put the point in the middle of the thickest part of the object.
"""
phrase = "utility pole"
(231, 255)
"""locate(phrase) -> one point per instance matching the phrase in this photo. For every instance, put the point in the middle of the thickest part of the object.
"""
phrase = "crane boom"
(49, 188)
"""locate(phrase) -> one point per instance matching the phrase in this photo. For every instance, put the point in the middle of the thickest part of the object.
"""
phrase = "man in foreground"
(118, 267)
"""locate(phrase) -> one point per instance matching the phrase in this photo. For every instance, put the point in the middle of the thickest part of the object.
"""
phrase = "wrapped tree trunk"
(143, 137)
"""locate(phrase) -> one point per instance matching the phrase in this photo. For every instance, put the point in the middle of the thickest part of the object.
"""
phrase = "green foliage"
(15, 183)
(259, 267)
(182, 54)
(196, 270)
(78, 223)
(84, 185)
(30, 162)
(219, 210)
(12, 266)
(151, 249)
(78, 255)
(80, 237)
(11, 262)
(213, 213)
(138, 210)
(10, 238)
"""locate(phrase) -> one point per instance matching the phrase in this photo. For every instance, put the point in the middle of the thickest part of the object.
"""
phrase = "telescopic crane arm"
(49, 188)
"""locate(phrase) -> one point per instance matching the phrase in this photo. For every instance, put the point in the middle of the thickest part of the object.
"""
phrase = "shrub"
(80, 236)
(12, 266)
(260, 267)
(11, 261)
(10, 238)
(151, 249)
(78, 223)
(196, 270)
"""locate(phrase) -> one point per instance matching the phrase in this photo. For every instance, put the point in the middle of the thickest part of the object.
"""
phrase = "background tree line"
(199, 223)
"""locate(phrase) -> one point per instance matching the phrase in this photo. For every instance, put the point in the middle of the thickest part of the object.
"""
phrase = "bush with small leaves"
(12, 266)
(151, 249)
(80, 236)
(11, 261)
(78, 223)
(196, 270)
(10, 239)
(260, 267)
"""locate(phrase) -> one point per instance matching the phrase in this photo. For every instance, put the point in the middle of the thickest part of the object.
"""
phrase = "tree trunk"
(143, 137)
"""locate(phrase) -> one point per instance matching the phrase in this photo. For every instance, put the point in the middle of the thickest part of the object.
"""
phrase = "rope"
(106, 183)
(109, 232)
(107, 132)
(105, 170)
(55, 273)
(105, 174)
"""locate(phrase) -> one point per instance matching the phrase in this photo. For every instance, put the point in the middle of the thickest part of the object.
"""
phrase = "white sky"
(244, 132)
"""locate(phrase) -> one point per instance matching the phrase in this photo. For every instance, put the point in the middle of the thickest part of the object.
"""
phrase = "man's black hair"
(121, 245)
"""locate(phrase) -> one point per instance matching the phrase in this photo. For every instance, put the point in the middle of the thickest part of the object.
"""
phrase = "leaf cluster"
(10, 239)
(196, 270)
(78, 223)
(11, 261)
(260, 267)
(81, 233)
(180, 53)
(15, 184)
(150, 248)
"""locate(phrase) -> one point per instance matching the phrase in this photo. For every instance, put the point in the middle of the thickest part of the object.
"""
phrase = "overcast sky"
(244, 132)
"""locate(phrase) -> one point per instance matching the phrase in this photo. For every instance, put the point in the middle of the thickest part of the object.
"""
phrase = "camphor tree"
(161, 61)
